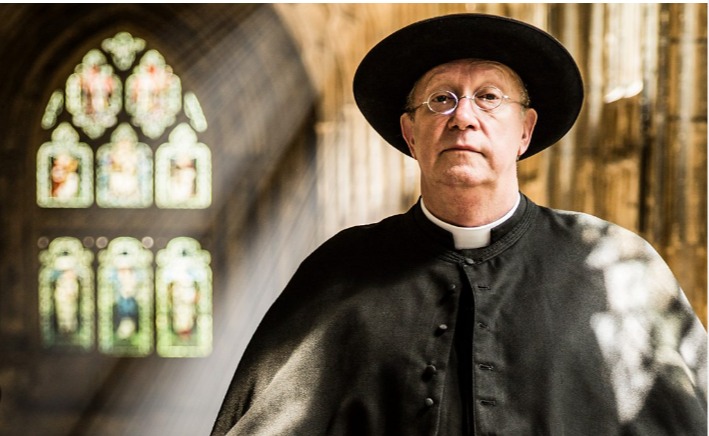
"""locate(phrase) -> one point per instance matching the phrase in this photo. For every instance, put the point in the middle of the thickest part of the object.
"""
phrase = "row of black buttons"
(430, 370)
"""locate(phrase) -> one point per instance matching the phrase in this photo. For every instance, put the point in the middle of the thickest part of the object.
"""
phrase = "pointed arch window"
(123, 135)
(101, 88)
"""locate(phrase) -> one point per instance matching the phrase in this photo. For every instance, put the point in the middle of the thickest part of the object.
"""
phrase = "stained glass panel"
(124, 171)
(125, 298)
(184, 300)
(54, 108)
(183, 171)
(138, 309)
(193, 110)
(64, 170)
(93, 95)
(66, 294)
(153, 95)
(123, 48)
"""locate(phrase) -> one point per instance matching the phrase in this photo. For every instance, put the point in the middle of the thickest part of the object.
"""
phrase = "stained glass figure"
(123, 48)
(93, 95)
(124, 171)
(183, 299)
(193, 110)
(125, 298)
(54, 108)
(153, 95)
(183, 171)
(66, 294)
(64, 170)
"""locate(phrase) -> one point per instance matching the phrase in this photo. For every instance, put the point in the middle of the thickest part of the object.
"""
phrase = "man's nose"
(466, 115)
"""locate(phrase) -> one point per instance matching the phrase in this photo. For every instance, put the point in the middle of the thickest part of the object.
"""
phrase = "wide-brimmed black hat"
(389, 71)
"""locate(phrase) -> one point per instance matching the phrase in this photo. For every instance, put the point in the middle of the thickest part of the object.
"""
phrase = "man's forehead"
(473, 64)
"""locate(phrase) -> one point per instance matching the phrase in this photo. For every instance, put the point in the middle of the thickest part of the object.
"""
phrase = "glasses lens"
(442, 102)
(488, 98)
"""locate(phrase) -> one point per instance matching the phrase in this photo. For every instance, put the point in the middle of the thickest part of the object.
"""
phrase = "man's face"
(469, 147)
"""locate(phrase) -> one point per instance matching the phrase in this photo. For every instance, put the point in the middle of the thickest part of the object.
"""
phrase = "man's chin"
(467, 175)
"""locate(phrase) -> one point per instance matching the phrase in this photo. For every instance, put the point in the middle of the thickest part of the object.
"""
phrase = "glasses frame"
(504, 99)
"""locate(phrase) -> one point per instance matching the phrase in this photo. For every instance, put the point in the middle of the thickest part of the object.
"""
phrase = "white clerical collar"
(470, 237)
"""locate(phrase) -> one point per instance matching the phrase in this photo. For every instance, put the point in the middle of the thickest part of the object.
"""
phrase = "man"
(477, 312)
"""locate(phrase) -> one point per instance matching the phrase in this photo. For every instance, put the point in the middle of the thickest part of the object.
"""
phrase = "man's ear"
(530, 120)
(407, 131)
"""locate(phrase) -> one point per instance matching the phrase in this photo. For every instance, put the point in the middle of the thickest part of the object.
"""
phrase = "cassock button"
(469, 261)
(430, 370)
(428, 402)
(442, 328)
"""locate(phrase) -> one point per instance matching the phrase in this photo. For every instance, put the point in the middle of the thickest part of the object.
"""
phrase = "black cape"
(564, 325)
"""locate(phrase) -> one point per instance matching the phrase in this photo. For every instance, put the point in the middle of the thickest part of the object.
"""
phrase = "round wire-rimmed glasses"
(486, 98)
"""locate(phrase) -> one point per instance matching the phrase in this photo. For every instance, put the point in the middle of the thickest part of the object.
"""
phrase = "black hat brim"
(389, 71)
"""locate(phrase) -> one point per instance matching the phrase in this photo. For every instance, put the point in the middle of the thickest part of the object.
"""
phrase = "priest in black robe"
(477, 312)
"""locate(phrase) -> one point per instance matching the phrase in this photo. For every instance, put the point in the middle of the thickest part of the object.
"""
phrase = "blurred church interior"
(166, 167)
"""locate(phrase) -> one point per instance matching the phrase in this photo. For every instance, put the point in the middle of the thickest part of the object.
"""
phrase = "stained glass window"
(65, 170)
(94, 96)
(66, 294)
(108, 126)
(124, 171)
(125, 298)
(183, 171)
(183, 300)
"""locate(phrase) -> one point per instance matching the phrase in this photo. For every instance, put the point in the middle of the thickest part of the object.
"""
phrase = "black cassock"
(564, 325)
